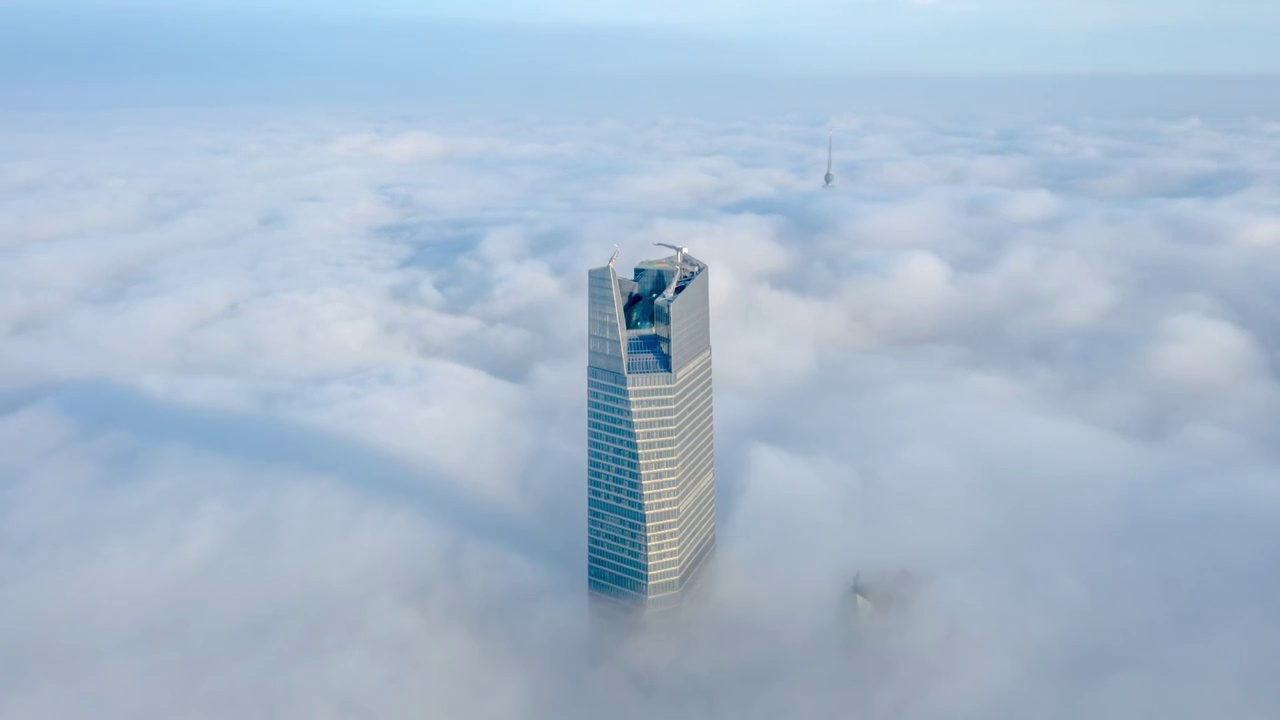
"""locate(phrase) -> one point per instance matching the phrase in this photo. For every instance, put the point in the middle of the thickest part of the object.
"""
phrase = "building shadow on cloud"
(104, 406)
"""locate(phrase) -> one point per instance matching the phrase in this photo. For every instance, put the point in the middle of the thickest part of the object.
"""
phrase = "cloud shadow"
(102, 406)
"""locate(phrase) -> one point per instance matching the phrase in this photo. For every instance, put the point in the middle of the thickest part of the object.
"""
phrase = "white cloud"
(196, 589)
(1260, 232)
(418, 146)
(1200, 352)
(291, 414)
(404, 147)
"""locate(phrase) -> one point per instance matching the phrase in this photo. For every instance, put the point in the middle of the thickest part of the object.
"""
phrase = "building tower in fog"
(650, 448)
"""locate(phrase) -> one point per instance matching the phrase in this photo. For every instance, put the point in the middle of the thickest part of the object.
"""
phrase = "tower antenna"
(680, 251)
(830, 177)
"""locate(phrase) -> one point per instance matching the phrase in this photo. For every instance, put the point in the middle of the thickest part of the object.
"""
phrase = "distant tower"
(830, 177)
(650, 447)
(877, 601)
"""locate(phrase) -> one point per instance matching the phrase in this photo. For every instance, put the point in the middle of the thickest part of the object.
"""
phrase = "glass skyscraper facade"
(650, 449)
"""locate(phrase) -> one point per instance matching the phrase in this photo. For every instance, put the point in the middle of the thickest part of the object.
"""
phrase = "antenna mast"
(680, 251)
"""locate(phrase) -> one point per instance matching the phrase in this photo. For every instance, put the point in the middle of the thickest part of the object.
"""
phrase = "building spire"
(830, 177)
(680, 251)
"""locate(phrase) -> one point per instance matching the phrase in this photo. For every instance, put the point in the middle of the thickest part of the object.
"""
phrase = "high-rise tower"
(650, 447)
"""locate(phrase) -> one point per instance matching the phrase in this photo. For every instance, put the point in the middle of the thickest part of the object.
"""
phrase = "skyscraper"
(650, 447)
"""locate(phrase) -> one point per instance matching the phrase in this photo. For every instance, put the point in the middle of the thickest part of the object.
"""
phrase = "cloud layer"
(293, 413)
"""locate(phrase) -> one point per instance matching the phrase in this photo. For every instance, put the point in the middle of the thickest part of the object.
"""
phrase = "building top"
(887, 593)
(665, 277)
(658, 328)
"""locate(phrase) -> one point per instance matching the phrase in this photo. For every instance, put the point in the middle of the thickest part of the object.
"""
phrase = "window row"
(663, 515)
(620, 569)
(603, 393)
(611, 483)
(610, 434)
(614, 464)
(666, 586)
(603, 548)
(607, 409)
(618, 449)
(625, 527)
(608, 583)
(615, 509)
(613, 440)
(659, 424)
(616, 498)
(609, 469)
(608, 397)
(620, 541)
(612, 455)
(606, 422)
(651, 392)
(606, 376)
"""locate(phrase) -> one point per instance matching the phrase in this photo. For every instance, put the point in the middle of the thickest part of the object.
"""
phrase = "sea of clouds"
(292, 413)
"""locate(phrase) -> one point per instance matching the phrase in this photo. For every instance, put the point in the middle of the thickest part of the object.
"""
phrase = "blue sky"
(818, 37)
